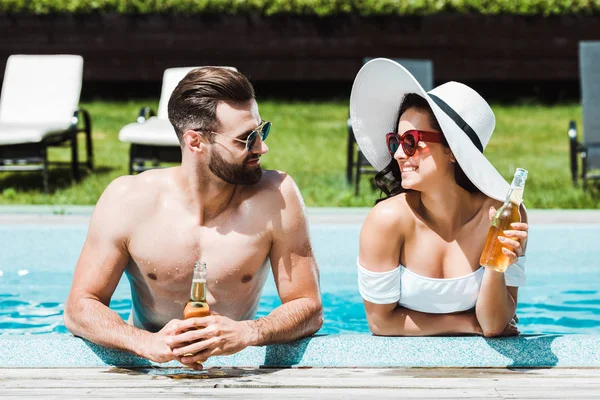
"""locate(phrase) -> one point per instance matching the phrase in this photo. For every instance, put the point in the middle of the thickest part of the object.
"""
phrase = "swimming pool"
(38, 251)
(562, 294)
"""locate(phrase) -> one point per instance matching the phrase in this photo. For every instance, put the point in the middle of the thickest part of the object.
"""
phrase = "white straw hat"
(466, 119)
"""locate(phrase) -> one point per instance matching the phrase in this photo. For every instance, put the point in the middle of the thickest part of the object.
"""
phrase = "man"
(218, 207)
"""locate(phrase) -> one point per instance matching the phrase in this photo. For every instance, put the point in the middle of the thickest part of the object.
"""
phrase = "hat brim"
(377, 93)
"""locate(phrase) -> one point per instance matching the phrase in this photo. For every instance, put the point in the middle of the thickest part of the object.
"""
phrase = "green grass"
(304, 7)
(308, 141)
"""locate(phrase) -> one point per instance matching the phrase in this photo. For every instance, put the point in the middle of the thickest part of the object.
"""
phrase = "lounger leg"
(88, 140)
(45, 170)
(131, 154)
(90, 150)
(74, 156)
(584, 169)
(350, 154)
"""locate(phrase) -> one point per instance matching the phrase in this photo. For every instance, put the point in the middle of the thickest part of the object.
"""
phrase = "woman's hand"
(511, 329)
(513, 239)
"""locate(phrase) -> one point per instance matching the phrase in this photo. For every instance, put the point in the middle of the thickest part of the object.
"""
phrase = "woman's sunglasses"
(263, 130)
(409, 140)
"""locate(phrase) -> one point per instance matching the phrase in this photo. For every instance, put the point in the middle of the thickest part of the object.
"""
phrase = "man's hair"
(394, 187)
(193, 104)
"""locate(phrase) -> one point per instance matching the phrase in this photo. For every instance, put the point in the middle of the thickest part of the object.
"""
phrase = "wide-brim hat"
(466, 119)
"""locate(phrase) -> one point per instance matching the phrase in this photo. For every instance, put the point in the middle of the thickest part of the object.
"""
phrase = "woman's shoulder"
(383, 233)
(393, 214)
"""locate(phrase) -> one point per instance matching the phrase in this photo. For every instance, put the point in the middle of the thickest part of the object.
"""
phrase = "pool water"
(562, 293)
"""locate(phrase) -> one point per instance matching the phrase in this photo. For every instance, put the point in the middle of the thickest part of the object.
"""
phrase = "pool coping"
(337, 350)
(67, 214)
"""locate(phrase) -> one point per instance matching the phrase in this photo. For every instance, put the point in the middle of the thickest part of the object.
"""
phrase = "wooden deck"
(439, 383)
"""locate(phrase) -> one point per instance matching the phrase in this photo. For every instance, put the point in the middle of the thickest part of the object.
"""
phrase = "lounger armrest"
(81, 115)
(145, 113)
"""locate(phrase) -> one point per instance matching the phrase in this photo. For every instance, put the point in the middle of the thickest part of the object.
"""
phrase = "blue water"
(562, 294)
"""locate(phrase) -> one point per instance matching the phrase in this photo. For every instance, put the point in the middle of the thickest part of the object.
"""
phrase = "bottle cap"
(522, 173)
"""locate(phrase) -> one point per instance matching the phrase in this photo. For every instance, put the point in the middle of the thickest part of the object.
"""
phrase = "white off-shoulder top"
(429, 295)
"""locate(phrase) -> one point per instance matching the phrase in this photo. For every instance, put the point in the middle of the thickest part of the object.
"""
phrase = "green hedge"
(305, 7)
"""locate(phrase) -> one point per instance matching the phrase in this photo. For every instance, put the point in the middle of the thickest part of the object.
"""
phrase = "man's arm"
(100, 266)
(296, 275)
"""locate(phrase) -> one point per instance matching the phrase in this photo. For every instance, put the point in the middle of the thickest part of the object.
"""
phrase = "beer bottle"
(492, 256)
(197, 305)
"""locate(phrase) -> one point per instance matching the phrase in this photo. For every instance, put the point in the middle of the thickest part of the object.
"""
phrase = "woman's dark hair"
(394, 187)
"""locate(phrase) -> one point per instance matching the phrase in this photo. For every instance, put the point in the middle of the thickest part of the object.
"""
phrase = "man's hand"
(210, 336)
(160, 349)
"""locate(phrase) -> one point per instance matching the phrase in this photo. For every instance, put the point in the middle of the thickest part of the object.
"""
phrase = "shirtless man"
(218, 207)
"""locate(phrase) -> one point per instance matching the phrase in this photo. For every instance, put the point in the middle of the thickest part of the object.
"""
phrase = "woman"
(418, 263)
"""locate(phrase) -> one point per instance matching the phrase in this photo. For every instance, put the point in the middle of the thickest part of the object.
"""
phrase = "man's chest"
(166, 256)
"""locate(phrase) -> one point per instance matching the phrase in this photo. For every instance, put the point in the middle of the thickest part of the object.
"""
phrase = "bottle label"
(516, 196)
(496, 218)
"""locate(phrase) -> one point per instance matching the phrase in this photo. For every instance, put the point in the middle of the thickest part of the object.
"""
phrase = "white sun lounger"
(39, 108)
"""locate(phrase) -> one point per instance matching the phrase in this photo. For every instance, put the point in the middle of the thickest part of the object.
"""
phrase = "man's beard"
(235, 174)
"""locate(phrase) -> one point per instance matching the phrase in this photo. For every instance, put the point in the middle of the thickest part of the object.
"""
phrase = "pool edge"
(340, 350)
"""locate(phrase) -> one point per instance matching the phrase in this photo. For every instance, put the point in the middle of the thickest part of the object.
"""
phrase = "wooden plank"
(442, 383)
(264, 393)
(376, 378)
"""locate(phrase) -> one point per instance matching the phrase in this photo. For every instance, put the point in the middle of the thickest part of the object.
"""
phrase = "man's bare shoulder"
(276, 186)
(276, 195)
(135, 194)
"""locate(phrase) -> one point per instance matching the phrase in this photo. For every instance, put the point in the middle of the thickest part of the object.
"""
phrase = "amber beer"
(492, 256)
(197, 305)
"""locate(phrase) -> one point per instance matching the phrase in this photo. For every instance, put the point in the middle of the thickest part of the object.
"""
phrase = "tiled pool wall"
(346, 350)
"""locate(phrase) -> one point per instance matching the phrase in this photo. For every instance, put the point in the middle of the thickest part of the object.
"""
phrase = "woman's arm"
(393, 320)
(381, 240)
(497, 303)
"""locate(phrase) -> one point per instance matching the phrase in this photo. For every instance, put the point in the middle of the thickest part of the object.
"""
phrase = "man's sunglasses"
(409, 140)
(263, 130)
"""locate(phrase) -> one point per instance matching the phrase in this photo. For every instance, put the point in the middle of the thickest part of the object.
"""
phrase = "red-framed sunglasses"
(409, 140)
